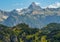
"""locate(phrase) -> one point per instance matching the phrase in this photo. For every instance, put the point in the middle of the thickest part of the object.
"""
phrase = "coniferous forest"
(23, 33)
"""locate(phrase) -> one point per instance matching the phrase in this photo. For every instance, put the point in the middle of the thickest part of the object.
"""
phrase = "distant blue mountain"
(34, 16)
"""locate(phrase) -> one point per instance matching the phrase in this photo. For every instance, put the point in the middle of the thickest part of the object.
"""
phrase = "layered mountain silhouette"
(34, 16)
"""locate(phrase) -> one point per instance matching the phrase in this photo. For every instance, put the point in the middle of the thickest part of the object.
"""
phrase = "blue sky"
(14, 4)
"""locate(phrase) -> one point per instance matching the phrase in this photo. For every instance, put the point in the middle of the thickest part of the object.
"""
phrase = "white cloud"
(37, 3)
(55, 5)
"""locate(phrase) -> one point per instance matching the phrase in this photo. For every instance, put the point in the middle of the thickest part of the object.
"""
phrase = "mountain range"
(34, 16)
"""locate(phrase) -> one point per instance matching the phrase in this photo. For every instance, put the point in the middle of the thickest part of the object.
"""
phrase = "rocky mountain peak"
(34, 6)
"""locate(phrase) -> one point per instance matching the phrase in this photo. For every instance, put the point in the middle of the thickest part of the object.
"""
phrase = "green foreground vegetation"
(23, 33)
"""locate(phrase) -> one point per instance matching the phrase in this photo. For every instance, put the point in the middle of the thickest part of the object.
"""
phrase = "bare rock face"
(13, 38)
(33, 6)
(36, 9)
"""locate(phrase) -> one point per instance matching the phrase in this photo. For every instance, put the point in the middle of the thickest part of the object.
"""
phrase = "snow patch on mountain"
(3, 18)
(19, 10)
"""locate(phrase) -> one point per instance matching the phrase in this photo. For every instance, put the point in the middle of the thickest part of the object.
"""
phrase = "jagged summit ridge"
(34, 16)
(34, 6)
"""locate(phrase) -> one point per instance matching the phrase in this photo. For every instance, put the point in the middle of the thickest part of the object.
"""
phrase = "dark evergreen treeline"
(24, 33)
